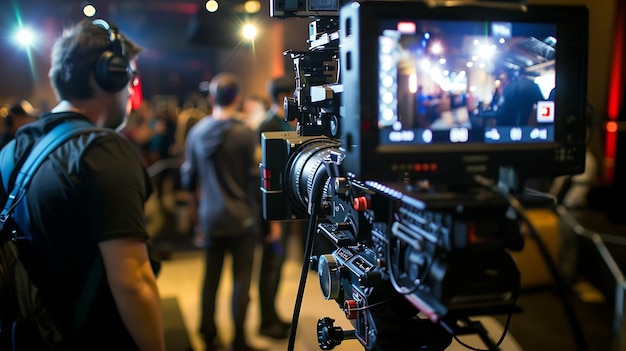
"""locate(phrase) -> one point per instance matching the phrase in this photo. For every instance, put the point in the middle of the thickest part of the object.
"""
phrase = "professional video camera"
(417, 130)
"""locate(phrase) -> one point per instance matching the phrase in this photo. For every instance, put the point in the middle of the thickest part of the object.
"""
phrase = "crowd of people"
(100, 216)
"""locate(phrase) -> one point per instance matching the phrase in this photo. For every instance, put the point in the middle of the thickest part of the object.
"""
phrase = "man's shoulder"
(241, 130)
(270, 124)
(79, 141)
(196, 127)
(204, 123)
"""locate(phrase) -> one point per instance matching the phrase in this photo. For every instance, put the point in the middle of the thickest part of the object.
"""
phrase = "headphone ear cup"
(111, 71)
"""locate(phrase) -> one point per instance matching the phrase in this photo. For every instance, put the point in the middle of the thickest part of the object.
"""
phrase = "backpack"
(26, 322)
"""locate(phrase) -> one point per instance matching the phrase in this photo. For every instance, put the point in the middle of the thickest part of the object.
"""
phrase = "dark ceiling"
(151, 22)
(181, 44)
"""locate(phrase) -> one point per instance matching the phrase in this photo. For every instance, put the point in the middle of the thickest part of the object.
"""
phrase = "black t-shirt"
(90, 189)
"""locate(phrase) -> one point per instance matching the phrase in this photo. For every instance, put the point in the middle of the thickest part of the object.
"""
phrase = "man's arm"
(135, 291)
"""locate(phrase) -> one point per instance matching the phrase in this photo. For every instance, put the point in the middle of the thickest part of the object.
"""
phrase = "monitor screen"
(449, 92)
(445, 81)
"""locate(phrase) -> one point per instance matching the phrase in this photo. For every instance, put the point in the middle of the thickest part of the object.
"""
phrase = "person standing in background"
(519, 101)
(274, 232)
(221, 175)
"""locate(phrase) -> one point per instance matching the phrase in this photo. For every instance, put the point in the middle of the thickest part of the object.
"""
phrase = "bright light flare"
(249, 32)
(437, 48)
(24, 37)
(212, 6)
(487, 51)
(89, 10)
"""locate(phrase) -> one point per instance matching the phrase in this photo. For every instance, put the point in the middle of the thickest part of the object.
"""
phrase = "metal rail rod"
(599, 239)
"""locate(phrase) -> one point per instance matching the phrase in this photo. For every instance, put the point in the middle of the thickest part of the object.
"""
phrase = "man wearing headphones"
(86, 201)
(221, 175)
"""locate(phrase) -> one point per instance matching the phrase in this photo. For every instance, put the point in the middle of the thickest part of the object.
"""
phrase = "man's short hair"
(73, 58)
(224, 88)
(283, 85)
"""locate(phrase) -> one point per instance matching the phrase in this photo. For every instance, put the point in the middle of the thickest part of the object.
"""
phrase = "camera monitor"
(448, 92)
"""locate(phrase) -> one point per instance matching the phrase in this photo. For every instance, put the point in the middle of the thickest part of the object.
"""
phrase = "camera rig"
(421, 234)
(410, 267)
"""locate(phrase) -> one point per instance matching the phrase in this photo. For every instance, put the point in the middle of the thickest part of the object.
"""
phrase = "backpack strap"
(57, 136)
(7, 163)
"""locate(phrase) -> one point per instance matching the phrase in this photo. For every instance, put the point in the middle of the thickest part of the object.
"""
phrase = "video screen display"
(443, 82)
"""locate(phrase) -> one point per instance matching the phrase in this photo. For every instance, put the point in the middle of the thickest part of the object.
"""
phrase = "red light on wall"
(616, 84)
(610, 151)
(615, 93)
(611, 127)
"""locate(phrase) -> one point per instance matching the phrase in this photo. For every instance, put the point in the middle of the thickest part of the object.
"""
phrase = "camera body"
(420, 245)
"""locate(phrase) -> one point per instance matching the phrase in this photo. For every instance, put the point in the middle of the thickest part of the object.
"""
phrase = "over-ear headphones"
(112, 69)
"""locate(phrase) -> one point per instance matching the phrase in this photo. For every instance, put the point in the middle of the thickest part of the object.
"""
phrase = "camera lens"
(304, 165)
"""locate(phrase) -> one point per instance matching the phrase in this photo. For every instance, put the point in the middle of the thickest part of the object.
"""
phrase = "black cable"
(303, 275)
(315, 200)
(392, 272)
(561, 290)
(505, 331)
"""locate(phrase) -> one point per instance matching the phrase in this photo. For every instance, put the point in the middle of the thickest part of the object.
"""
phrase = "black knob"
(290, 105)
(328, 336)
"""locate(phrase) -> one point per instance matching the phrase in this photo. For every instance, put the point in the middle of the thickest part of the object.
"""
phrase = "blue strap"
(57, 136)
(7, 163)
